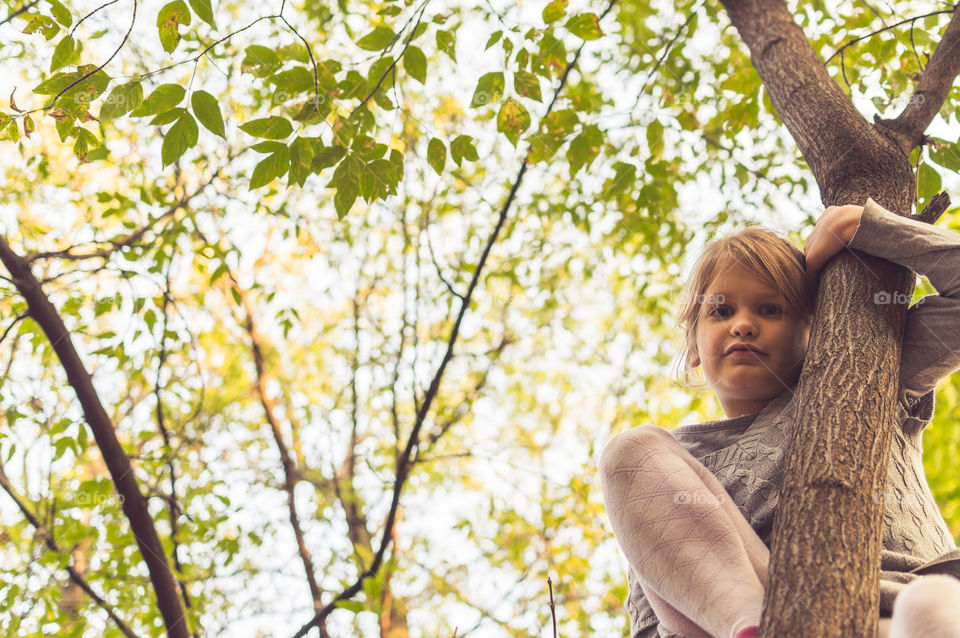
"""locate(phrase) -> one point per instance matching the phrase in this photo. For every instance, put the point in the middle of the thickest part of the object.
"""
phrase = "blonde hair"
(765, 253)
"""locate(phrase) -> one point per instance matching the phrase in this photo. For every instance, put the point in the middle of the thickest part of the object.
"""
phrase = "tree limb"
(931, 91)
(406, 459)
(51, 544)
(173, 506)
(290, 472)
(938, 206)
(17, 12)
(134, 504)
(839, 145)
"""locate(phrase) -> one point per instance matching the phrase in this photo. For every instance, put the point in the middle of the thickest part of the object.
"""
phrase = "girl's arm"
(931, 339)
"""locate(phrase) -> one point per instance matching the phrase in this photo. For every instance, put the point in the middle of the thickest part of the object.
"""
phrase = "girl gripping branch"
(693, 508)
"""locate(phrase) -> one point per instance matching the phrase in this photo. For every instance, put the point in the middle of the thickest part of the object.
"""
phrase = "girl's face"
(751, 349)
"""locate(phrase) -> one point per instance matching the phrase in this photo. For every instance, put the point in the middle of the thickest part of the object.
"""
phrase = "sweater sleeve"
(931, 337)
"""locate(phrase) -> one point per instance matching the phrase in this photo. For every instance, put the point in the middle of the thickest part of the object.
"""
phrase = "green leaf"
(169, 19)
(43, 24)
(167, 116)
(268, 147)
(181, 136)
(655, 138)
(57, 82)
(85, 144)
(236, 295)
(163, 98)
(346, 179)
(271, 128)
(301, 158)
(625, 176)
(121, 99)
(415, 63)
(293, 80)
(946, 154)
(207, 110)
(493, 39)
(543, 146)
(204, 11)
(554, 11)
(551, 57)
(326, 156)
(561, 122)
(462, 148)
(13, 132)
(62, 54)
(489, 89)
(272, 166)
(377, 39)
(437, 155)
(513, 120)
(527, 85)
(928, 183)
(585, 26)
(447, 43)
(584, 148)
(260, 61)
(60, 13)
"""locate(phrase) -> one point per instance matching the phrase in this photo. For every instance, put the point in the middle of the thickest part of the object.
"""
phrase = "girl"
(693, 508)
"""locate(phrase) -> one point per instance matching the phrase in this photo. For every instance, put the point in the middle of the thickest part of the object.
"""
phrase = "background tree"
(373, 409)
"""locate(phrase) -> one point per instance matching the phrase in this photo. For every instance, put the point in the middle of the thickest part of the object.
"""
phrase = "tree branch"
(49, 541)
(134, 504)
(839, 145)
(290, 472)
(22, 9)
(173, 506)
(938, 206)
(131, 239)
(406, 459)
(932, 90)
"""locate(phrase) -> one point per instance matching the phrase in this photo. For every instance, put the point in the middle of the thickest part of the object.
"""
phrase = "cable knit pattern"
(746, 454)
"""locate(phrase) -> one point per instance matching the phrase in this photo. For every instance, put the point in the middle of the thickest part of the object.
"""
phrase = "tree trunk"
(825, 550)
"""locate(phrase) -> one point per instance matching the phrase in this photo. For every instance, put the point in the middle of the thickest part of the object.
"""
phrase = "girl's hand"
(834, 230)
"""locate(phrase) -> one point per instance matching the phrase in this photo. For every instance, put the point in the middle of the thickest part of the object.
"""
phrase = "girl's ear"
(694, 358)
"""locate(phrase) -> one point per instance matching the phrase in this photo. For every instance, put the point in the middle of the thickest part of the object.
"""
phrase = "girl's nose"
(743, 327)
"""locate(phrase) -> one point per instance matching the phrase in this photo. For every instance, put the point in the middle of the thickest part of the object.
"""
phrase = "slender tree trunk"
(825, 550)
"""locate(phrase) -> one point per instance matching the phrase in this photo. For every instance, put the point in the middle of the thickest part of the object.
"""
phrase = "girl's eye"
(771, 309)
(721, 312)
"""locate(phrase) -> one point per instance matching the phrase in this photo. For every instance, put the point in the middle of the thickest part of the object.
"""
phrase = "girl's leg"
(928, 607)
(682, 534)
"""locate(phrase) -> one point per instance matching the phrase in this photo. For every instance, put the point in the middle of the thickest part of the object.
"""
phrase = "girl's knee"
(927, 607)
(626, 448)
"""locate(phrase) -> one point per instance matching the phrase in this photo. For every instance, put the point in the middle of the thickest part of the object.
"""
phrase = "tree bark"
(825, 551)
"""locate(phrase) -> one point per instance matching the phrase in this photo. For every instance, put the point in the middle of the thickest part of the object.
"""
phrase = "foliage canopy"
(320, 256)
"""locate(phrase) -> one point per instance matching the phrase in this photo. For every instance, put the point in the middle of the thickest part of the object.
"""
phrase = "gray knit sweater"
(746, 453)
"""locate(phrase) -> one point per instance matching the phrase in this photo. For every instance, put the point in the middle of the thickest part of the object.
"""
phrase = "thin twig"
(886, 28)
(553, 609)
(133, 20)
(22, 9)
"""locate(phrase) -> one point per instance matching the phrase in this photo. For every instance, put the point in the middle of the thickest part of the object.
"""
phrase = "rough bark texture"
(825, 552)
